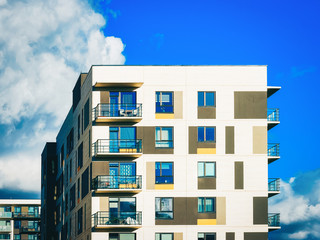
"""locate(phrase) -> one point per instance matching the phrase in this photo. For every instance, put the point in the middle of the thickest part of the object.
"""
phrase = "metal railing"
(274, 149)
(117, 110)
(5, 228)
(5, 214)
(117, 146)
(117, 182)
(164, 179)
(274, 219)
(273, 114)
(117, 218)
(274, 184)
(30, 229)
(26, 214)
(164, 143)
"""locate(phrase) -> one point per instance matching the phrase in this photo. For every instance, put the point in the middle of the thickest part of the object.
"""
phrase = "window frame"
(205, 98)
(207, 233)
(164, 175)
(118, 235)
(204, 169)
(204, 204)
(160, 236)
(170, 141)
(172, 210)
(161, 103)
(205, 134)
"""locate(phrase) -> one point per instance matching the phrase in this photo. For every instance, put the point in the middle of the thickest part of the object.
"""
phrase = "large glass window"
(206, 204)
(164, 208)
(164, 172)
(164, 137)
(5, 236)
(206, 134)
(206, 236)
(164, 102)
(206, 169)
(122, 236)
(206, 99)
(164, 236)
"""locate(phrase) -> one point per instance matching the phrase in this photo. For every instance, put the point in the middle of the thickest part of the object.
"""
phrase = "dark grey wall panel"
(230, 236)
(238, 175)
(260, 210)
(255, 236)
(230, 140)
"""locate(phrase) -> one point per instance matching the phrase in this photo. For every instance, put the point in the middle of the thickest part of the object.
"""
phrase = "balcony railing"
(30, 229)
(273, 115)
(5, 214)
(121, 110)
(26, 215)
(5, 228)
(117, 218)
(274, 219)
(117, 182)
(274, 184)
(273, 149)
(108, 146)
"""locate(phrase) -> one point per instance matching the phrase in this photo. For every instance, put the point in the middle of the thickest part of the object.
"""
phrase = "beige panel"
(104, 204)
(192, 140)
(250, 105)
(178, 236)
(100, 168)
(260, 140)
(178, 104)
(238, 175)
(206, 112)
(104, 97)
(230, 140)
(150, 180)
(221, 210)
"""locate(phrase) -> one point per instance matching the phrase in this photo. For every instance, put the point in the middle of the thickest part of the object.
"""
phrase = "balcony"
(105, 112)
(117, 148)
(273, 117)
(273, 186)
(5, 228)
(107, 220)
(26, 215)
(117, 184)
(5, 214)
(274, 221)
(30, 229)
(273, 152)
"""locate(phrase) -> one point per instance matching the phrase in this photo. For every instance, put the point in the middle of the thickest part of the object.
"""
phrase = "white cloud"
(299, 235)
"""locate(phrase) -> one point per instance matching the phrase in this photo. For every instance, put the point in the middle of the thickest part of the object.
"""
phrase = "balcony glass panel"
(274, 149)
(274, 184)
(117, 218)
(273, 115)
(125, 110)
(117, 182)
(274, 219)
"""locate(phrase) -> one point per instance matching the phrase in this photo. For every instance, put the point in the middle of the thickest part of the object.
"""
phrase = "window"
(70, 142)
(17, 224)
(5, 236)
(80, 221)
(164, 137)
(164, 208)
(164, 236)
(86, 114)
(78, 190)
(206, 236)
(206, 134)
(73, 197)
(164, 102)
(85, 183)
(16, 237)
(206, 169)
(164, 172)
(78, 126)
(206, 204)
(80, 156)
(62, 156)
(206, 99)
(122, 236)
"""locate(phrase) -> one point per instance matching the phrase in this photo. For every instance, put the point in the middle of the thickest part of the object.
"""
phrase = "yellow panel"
(164, 186)
(164, 116)
(207, 222)
(206, 150)
(127, 150)
(129, 185)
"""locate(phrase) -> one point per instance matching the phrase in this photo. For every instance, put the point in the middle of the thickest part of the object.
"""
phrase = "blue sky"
(44, 46)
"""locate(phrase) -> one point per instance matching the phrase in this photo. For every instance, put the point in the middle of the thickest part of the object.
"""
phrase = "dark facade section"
(230, 236)
(238, 175)
(76, 92)
(48, 181)
(250, 105)
(206, 112)
(255, 236)
(148, 136)
(206, 183)
(230, 140)
(260, 210)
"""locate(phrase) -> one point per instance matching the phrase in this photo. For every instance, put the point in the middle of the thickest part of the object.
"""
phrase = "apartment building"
(164, 153)
(19, 219)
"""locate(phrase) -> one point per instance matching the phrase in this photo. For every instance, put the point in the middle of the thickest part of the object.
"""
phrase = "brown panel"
(178, 236)
(178, 104)
(238, 175)
(24, 209)
(24, 223)
(104, 96)
(260, 210)
(100, 168)
(260, 139)
(206, 183)
(206, 144)
(230, 236)
(206, 216)
(250, 105)
(221, 210)
(206, 112)
(192, 140)
(150, 180)
(192, 210)
(255, 236)
(230, 140)
(148, 139)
